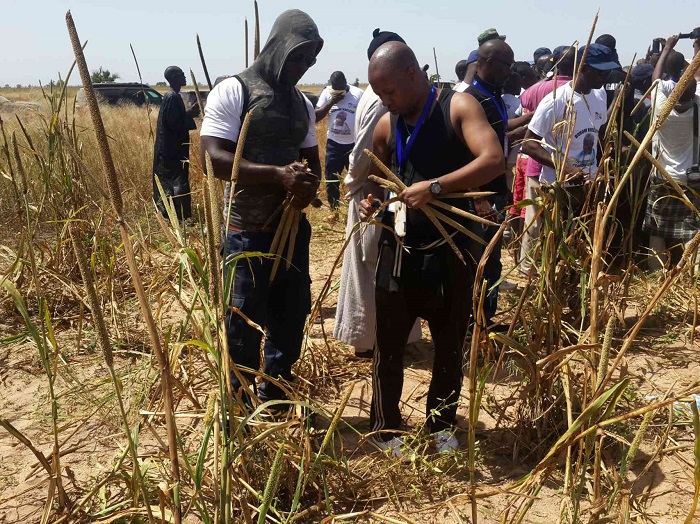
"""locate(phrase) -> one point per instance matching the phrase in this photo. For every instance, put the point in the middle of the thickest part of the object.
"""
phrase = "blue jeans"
(337, 159)
(280, 308)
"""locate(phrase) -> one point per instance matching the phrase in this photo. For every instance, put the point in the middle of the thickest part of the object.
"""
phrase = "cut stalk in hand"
(285, 237)
(459, 227)
(468, 194)
(384, 183)
(429, 212)
(292, 241)
(462, 213)
(436, 203)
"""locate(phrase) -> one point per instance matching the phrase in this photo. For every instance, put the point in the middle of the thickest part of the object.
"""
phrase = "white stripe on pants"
(355, 318)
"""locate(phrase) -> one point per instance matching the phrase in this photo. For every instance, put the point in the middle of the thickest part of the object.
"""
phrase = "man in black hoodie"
(281, 135)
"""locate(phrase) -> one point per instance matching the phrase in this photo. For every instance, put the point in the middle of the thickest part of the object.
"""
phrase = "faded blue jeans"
(280, 308)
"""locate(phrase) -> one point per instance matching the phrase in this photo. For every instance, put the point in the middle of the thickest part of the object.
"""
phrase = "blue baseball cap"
(599, 57)
(473, 57)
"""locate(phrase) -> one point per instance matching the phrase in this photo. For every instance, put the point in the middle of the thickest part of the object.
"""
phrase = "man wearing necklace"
(437, 142)
(493, 67)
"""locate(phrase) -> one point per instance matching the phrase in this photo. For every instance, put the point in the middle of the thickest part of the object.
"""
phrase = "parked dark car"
(190, 96)
(114, 93)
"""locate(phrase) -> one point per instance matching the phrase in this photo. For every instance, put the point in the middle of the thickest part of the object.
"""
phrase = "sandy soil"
(90, 433)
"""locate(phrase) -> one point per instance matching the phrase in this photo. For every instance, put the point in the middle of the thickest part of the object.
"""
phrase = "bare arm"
(322, 111)
(313, 160)
(472, 127)
(515, 123)
(533, 148)
(469, 122)
(661, 63)
(222, 152)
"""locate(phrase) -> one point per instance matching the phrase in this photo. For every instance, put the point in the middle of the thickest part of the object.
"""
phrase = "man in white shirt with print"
(587, 113)
(339, 101)
(669, 222)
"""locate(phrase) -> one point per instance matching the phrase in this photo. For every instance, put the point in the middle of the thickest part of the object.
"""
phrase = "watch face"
(435, 187)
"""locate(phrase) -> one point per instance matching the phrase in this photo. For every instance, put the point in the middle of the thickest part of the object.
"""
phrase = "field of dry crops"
(578, 414)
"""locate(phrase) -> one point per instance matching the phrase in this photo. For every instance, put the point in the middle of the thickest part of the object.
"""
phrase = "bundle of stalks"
(395, 185)
(285, 237)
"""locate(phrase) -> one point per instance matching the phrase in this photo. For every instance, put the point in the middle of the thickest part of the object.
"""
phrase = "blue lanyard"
(500, 107)
(401, 153)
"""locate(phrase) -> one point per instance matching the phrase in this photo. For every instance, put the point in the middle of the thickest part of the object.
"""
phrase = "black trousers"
(337, 159)
(437, 287)
(177, 186)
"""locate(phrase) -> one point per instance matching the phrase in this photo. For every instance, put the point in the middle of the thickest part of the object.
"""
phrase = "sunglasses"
(297, 56)
(504, 62)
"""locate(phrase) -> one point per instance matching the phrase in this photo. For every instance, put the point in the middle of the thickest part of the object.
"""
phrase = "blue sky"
(35, 44)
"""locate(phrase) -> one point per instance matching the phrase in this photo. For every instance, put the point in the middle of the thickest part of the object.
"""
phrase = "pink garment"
(530, 99)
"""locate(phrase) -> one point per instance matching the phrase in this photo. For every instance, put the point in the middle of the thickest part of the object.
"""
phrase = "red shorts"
(519, 184)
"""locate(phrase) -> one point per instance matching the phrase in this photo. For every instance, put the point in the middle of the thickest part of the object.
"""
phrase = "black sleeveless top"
(436, 151)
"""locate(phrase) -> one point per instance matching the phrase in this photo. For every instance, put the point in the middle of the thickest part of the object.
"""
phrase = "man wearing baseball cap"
(489, 34)
(469, 75)
(577, 109)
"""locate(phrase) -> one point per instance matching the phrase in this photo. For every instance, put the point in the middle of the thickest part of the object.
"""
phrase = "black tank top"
(437, 150)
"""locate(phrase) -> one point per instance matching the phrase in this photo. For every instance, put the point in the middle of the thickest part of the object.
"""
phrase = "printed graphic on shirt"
(339, 124)
(586, 159)
(556, 119)
(341, 117)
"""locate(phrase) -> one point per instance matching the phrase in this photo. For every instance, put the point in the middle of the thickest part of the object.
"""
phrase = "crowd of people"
(508, 130)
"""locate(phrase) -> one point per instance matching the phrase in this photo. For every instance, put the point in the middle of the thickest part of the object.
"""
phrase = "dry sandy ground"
(91, 436)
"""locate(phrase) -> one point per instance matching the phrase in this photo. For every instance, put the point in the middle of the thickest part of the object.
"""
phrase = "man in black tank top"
(437, 142)
(493, 67)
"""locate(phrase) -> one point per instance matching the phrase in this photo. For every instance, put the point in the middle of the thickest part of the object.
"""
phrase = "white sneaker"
(507, 286)
(446, 442)
(393, 447)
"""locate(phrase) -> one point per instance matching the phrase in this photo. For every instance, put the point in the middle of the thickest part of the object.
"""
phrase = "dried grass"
(569, 401)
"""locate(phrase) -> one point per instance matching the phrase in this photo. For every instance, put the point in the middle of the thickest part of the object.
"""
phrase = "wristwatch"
(435, 187)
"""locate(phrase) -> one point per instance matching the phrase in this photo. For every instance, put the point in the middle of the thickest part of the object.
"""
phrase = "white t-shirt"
(341, 117)
(461, 87)
(222, 114)
(591, 113)
(673, 142)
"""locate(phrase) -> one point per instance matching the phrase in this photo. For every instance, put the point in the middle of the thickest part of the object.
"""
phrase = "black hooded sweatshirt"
(279, 119)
